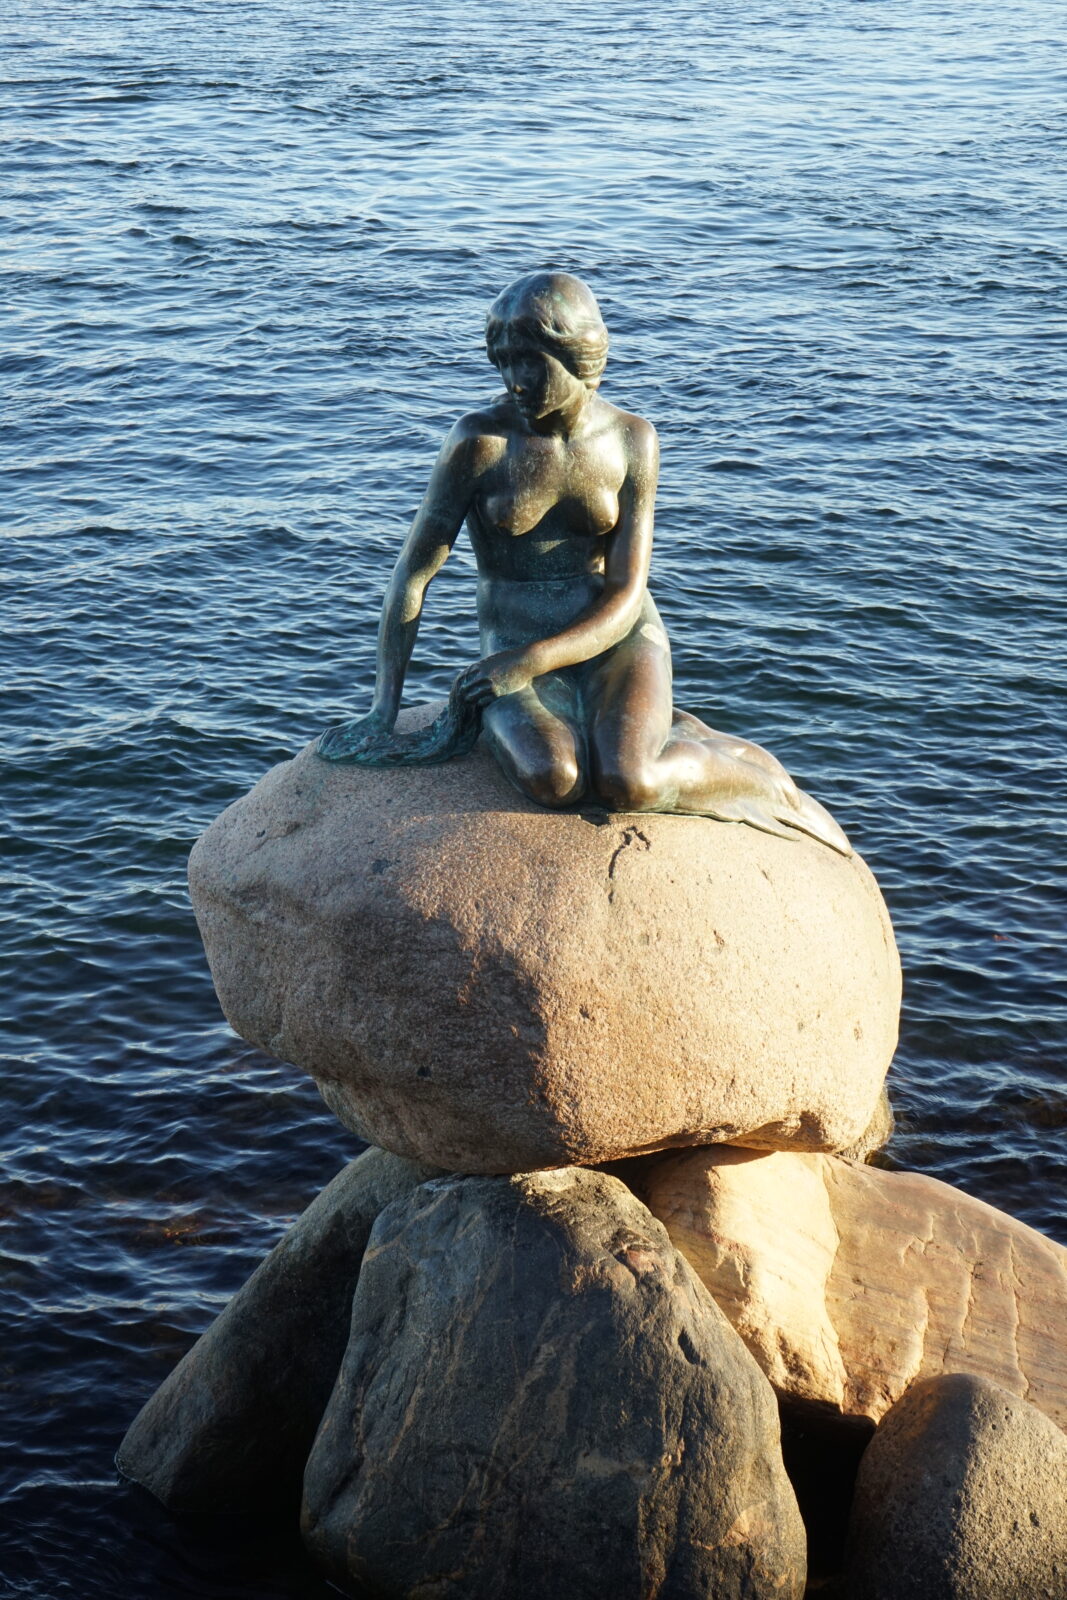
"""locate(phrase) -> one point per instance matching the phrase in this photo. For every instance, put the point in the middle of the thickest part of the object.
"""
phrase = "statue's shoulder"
(479, 437)
(489, 421)
(638, 434)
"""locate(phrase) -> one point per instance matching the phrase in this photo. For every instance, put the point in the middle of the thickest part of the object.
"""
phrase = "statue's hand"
(350, 739)
(504, 673)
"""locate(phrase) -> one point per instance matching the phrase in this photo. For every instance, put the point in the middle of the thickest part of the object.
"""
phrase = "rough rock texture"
(230, 1429)
(847, 1282)
(876, 1135)
(961, 1495)
(540, 1399)
(490, 986)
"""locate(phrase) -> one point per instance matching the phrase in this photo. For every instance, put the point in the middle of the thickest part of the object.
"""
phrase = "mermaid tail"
(765, 795)
(784, 814)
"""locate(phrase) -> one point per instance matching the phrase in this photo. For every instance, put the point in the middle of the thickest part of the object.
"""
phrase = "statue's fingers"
(475, 690)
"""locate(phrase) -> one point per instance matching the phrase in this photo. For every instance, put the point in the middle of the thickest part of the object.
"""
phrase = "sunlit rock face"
(848, 1282)
(489, 986)
(540, 1398)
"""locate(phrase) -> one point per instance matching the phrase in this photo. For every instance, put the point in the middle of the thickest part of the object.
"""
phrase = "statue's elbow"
(627, 608)
(404, 596)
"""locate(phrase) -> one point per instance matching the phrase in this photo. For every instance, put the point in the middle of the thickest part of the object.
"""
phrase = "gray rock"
(481, 983)
(540, 1399)
(229, 1431)
(961, 1495)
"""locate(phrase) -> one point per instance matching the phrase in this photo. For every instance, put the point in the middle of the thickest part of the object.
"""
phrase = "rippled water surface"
(247, 255)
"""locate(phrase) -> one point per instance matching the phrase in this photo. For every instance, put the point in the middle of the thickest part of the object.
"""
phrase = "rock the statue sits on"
(488, 986)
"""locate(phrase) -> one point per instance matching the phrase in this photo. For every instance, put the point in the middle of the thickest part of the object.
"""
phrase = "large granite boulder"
(230, 1429)
(490, 986)
(539, 1398)
(961, 1495)
(848, 1282)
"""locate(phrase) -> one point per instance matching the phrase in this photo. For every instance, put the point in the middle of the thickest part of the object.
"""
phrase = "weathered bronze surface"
(573, 691)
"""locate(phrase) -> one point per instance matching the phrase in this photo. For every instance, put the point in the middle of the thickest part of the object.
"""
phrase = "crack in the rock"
(630, 836)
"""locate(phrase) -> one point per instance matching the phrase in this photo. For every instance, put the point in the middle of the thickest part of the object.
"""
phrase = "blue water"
(246, 258)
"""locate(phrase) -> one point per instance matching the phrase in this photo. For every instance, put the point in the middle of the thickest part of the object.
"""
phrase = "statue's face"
(537, 382)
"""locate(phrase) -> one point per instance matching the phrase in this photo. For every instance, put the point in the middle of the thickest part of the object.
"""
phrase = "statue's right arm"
(430, 538)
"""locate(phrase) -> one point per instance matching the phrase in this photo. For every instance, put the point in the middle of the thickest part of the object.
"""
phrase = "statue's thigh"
(629, 696)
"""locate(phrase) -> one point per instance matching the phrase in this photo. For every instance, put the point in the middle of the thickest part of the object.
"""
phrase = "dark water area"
(246, 259)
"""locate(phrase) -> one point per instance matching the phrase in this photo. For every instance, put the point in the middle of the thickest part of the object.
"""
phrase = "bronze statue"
(573, 691)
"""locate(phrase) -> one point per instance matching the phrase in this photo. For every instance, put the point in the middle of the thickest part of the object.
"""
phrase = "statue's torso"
(543, 511)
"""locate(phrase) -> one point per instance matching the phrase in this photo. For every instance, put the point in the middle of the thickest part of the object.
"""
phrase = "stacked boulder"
(543, 1337)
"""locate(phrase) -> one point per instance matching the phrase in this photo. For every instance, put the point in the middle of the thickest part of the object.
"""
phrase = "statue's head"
(554, 312)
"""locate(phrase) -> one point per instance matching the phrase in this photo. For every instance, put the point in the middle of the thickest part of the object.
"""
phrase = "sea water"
(247, 254)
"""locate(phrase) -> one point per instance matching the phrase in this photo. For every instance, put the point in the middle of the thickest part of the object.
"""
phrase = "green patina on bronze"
(573, 692)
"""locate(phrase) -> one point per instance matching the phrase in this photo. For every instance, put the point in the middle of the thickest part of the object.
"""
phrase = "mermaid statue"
(573, 690)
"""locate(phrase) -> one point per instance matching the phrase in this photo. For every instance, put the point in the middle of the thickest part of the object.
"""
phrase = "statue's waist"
(524, 609)
(491, 581)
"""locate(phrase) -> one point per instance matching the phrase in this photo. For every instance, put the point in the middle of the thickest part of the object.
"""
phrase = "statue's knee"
(628, 789)
(560, 784)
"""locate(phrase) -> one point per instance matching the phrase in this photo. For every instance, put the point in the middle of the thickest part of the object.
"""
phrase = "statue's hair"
(558, 313)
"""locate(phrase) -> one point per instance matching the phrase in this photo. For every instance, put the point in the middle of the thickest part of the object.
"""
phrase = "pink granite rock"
(489, 986)
(848, 1282)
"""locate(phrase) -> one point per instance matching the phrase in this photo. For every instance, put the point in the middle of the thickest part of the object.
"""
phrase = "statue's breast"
(591, 512)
